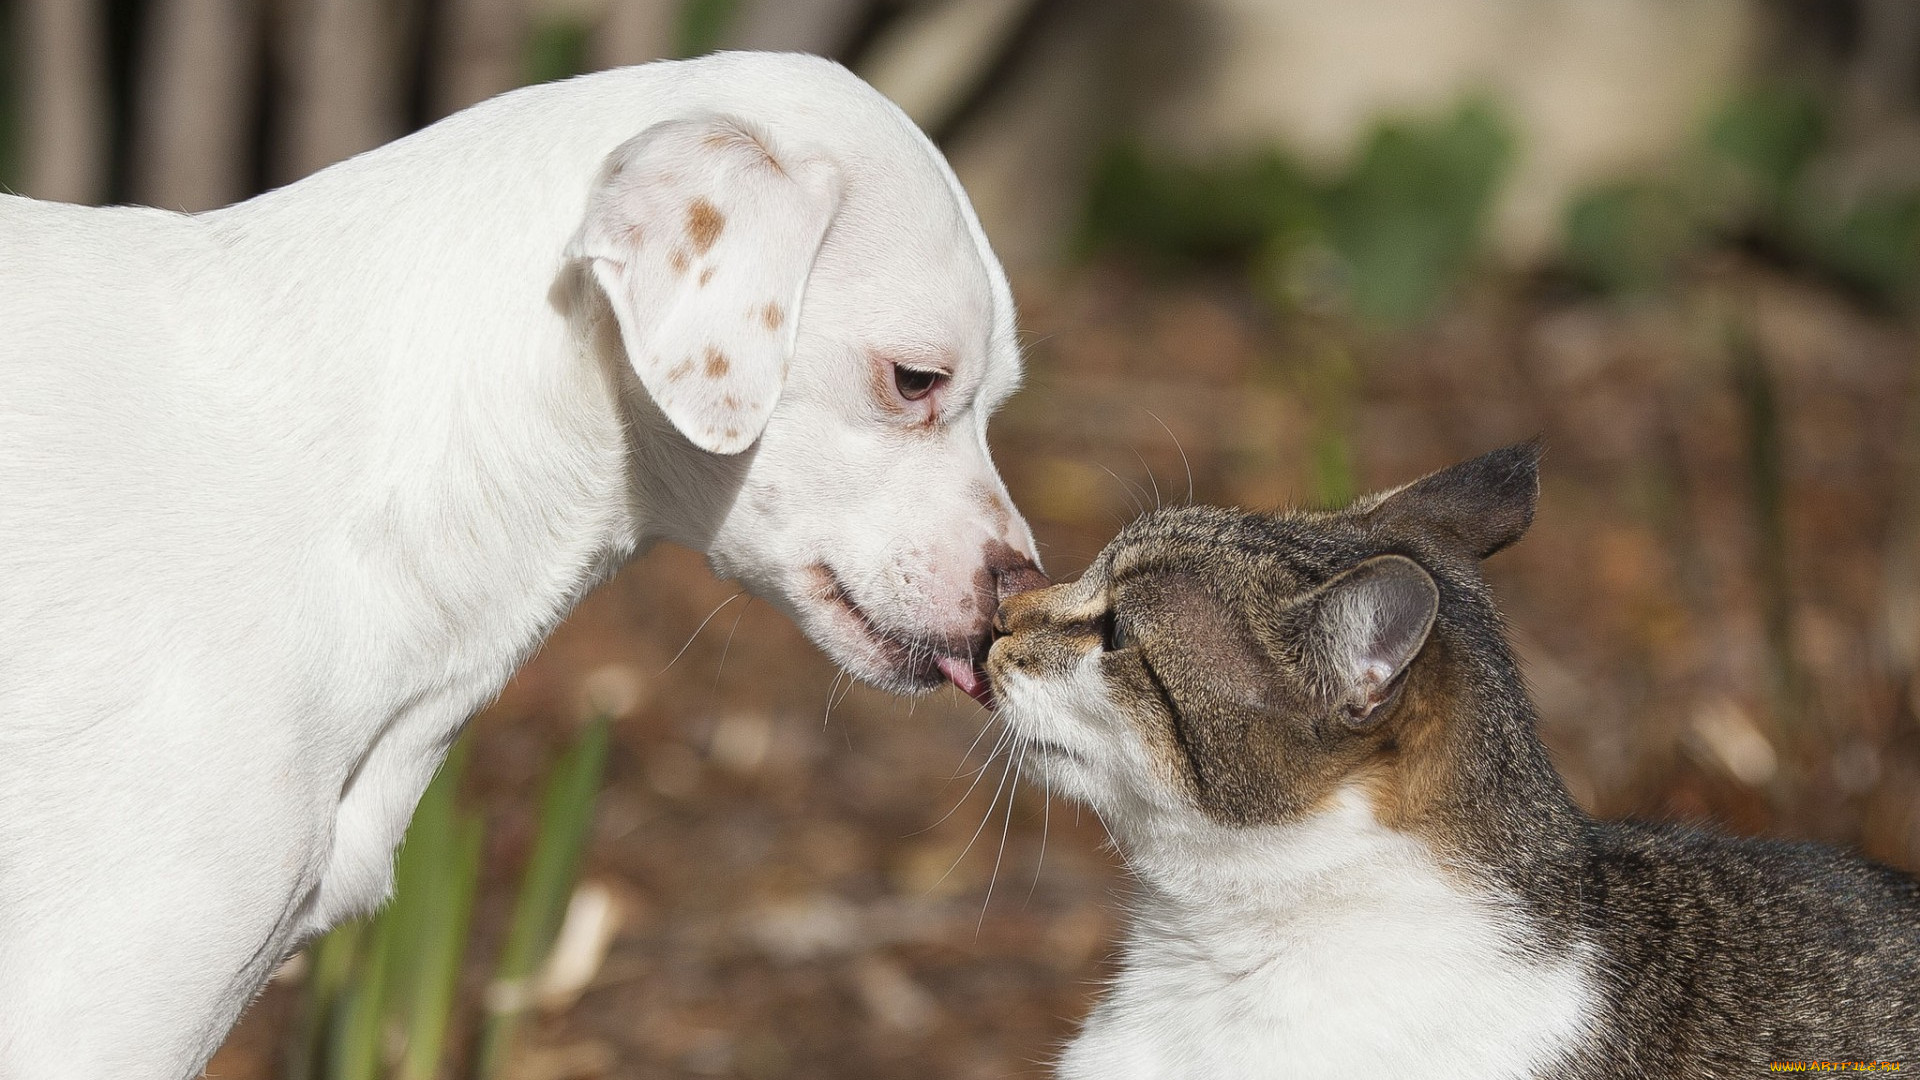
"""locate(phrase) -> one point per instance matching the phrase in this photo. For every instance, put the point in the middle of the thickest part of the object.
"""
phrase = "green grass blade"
(566, 816)
(437, 956)
(353, 1049)
(426, 925)
(332, 959)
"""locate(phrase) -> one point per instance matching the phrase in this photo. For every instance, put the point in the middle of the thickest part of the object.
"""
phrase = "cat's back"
(1724, 953)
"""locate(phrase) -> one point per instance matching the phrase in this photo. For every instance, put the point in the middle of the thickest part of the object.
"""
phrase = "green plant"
(566, 816)
(556, 48)
(1627, 236)
(1752, 180)
(1768, 136)
(381, 998)
(1227, 211)
(1396, 227)
(703, 25)
(1410, 212)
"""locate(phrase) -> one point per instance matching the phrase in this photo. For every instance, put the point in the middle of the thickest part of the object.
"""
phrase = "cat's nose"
(1020, 611)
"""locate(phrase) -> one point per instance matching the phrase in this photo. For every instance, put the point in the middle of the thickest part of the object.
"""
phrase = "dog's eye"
(914, 383)
(1113, 636)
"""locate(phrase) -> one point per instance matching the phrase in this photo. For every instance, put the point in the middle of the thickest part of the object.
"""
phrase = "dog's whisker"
(727, 647)
(696, 631)
(832, 689)
(846, 689)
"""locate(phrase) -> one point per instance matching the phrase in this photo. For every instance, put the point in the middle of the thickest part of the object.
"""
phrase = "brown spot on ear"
(680, 371)
(732, 434)
(717, 363)
(636, 235)
(706, 276)
(678, 260)
(704, 222)
(730, 403)
(772, 315)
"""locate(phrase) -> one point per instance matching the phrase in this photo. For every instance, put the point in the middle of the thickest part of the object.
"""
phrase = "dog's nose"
(1009, 574)
(1013, 580)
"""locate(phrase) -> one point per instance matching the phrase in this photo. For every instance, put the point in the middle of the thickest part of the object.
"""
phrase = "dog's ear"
(702, 236)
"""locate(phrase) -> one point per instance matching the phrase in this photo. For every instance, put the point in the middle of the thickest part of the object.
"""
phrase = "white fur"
(1332, 946)
(288, 490)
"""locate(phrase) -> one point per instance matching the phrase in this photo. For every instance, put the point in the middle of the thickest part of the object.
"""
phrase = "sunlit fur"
(291, 488)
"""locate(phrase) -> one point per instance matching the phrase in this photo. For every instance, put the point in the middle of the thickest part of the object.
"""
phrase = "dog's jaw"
(888, 658)
(868, 650)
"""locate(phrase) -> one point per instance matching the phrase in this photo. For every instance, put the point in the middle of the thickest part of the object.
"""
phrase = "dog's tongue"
(960, 671)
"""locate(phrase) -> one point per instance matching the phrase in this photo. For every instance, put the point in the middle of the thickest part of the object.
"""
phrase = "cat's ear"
(1363, 628)
(1480, 505)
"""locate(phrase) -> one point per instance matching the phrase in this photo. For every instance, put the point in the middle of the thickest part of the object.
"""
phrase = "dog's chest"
(1388, 972)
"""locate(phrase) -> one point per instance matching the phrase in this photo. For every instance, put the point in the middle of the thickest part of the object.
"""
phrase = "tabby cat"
(1310, 740)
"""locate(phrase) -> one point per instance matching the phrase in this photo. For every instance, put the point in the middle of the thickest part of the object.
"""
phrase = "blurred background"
(1268, 252)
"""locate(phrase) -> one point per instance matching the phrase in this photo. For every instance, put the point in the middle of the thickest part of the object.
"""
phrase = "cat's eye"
(1113, 634)
(914, 384)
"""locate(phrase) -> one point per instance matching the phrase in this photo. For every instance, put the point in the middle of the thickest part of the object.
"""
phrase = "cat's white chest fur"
(1331, 947)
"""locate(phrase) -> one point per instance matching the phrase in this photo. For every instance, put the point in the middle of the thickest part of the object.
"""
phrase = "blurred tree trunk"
(825, 27)
(65, 89)
(194, 112)
(636, 31)
(345, 88)
(1023, 147)
(1886, 75)
(934, 58)
(482, 57)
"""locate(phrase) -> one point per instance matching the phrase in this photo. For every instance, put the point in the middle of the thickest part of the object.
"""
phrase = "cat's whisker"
(1013, 763)
(975, 744)
(1188, 465)
(965, 795)
(1133, 490)
(1046, 814)
(1151, 479)
(697, 629)
(984, 820)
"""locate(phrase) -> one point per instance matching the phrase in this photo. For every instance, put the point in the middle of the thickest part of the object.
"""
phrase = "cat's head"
(1247, 667)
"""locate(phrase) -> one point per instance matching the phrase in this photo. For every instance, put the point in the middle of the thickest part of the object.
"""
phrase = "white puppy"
(288, 490)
